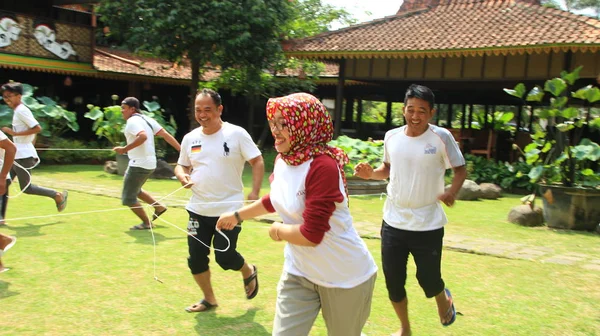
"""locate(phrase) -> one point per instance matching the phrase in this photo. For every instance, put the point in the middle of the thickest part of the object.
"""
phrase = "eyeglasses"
(279, 126)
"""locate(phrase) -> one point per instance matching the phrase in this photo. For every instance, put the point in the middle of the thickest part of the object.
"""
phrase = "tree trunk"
(193, 90)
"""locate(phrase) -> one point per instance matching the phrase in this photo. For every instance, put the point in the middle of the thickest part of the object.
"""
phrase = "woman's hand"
(227, 221)
(274, 231)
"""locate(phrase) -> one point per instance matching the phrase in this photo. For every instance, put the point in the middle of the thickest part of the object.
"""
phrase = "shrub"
(359, 151)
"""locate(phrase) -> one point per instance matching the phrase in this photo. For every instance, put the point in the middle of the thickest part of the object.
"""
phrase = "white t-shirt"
(217, 161)
(2, 138)
(144, 155)
(341, 259)
(417, 168)
(23, 120)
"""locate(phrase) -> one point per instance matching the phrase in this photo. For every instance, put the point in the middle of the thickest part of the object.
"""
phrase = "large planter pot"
(571, 208)
(122, 163)
(358, 186)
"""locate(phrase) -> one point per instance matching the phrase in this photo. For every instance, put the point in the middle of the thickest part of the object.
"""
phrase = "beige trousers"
(345, 310)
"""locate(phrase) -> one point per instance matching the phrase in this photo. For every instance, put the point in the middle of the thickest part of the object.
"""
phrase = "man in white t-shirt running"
(139, 133)
(415, 160)
(211, 163)
(24, 129)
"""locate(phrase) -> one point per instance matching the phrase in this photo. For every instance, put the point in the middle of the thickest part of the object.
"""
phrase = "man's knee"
(229, 261)
(431, 286)
(198, 265)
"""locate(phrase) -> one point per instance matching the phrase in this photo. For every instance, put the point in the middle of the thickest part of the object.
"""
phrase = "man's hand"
(363, 170)
(448, 198)
(120, 150)
(227, 221)
(252, 196)
(186, 181)
(8, 131)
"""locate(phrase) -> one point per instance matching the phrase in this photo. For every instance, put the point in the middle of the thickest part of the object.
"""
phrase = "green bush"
(55, 156)
(359, 151)
(504, 174)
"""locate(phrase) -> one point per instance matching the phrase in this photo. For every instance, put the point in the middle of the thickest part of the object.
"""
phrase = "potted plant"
(361, 151)
(563, 162)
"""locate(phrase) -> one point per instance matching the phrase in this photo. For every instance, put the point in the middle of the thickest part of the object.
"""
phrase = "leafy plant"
(558, 154)
(359, 151)
(482, 170)
(53, 118)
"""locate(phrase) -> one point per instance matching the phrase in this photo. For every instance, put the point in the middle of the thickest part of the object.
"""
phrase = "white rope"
(28, 174)
(73, 149)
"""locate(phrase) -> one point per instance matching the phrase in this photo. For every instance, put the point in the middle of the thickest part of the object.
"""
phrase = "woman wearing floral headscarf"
(327, 265)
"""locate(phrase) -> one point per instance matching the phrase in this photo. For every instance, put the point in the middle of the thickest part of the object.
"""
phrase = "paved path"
(369, 230)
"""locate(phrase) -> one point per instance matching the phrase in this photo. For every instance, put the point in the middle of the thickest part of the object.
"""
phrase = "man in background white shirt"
(24, 129)
(139, 132)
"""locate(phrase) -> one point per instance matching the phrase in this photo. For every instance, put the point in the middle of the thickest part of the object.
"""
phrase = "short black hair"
(131, 101)
(216, 97)
(14, 87)
(420, 92)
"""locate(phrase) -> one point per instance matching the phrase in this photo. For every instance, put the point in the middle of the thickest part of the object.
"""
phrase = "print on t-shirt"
(196, 149)
(430, 149)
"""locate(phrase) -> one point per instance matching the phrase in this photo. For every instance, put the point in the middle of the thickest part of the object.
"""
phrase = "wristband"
(237, 217)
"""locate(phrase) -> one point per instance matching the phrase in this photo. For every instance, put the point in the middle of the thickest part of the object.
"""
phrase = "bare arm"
(449, 197)
(365, 171)
(228, 220)
(258, 172)
(34, 130)
(169, 139)
(289, 233)
(183, 175)
(140, 138)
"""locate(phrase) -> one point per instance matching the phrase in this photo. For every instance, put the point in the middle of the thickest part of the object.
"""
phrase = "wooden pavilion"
(467, 51)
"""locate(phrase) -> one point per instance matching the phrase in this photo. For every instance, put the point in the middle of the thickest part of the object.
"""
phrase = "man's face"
(11, 99)
(127, 111)
(206, 112)
(417, 113)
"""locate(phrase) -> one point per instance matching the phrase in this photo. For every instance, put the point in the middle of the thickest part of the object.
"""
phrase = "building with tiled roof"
(467, 51)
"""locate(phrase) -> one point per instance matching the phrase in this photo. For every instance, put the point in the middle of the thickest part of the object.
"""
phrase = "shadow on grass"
(5, 292)
(567, 232)
(243, 324)
(30, 230)
(145, 237)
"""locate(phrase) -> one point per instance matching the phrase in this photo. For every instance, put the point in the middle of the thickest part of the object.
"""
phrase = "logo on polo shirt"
(429, 149)
(301, 193)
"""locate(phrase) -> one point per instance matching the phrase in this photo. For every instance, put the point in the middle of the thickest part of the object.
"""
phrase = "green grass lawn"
(86, 274)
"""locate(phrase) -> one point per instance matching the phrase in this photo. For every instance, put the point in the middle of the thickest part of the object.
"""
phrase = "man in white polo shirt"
(24, 129)
(416, 157)
(139, 133)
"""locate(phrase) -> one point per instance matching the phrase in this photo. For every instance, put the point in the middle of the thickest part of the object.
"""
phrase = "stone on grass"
(526, 216)
(163, 170)
(110, 167)
(469, 191)
(490, 191)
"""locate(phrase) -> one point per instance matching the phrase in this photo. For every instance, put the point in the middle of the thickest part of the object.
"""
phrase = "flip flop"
(207, 306)
(62, 205)
(450, 309)
(7, 247)
(248, 280)
(140, 226)
(155, 215)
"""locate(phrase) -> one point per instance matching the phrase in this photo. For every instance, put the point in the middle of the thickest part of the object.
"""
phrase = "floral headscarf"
(310, 128)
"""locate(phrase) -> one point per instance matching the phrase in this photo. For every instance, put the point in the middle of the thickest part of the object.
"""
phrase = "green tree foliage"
(312, 17)
(228, 34)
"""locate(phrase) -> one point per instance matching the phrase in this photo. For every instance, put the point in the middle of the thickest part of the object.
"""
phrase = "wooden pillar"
(359, 112)
(449, 116)
(339, 98)
(349, 112)
(519, 114)
(470, 115)
(485, 116)
(388, 114)
(463, 116)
